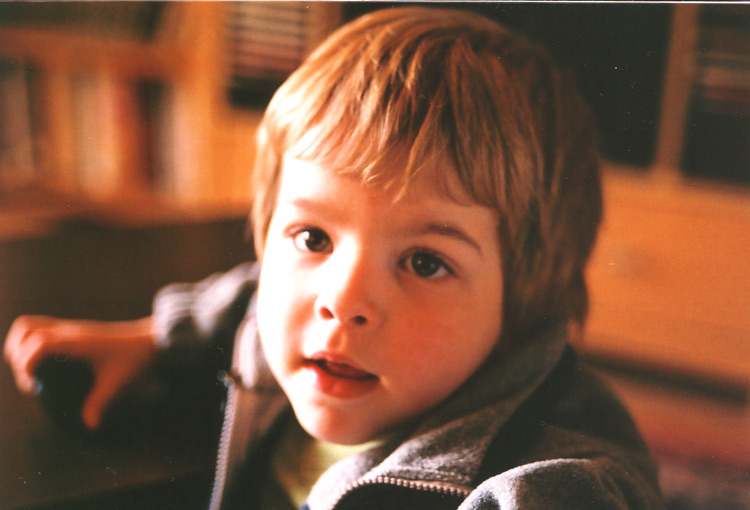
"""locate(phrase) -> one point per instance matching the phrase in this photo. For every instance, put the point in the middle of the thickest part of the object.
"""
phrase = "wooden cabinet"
(670, 280)
(670, 277)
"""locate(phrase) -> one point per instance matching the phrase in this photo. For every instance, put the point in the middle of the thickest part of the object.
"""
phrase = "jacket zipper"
(232, 381)
(450, 489)
(222, 457)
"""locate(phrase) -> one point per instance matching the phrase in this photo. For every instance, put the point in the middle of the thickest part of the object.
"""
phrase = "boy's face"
(371, 312)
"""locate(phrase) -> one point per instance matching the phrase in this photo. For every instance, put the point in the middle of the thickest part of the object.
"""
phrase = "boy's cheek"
(281, 315)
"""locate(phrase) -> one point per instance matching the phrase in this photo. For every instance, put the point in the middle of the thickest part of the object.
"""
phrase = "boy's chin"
(349, 432)
(343, 435)
(332, 428)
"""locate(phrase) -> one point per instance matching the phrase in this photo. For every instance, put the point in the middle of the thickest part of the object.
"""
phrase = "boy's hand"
(117, 352)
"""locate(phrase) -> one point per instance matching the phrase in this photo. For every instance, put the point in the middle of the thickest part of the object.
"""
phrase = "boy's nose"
(348, 292)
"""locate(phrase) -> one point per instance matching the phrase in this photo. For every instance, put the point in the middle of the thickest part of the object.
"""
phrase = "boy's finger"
(24, 383)
(38, 345)
(18, 331)
(23, 358)
(26, 357)
(25, 337)
(106, 386)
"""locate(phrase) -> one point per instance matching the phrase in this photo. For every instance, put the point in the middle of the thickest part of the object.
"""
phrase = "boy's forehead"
(437, 180)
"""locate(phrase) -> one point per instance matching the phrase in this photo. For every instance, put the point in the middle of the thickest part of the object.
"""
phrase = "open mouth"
(338, 377)
(342, 370)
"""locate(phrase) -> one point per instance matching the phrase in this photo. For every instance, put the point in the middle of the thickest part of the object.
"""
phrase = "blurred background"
(126, 144)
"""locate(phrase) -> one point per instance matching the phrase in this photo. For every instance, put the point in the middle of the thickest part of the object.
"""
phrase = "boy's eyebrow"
(447, 230)
(307, 205)
(431, 227)
(314, 206)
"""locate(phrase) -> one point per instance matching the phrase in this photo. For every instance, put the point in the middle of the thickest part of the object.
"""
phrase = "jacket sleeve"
(598, 483)
(194, 326)
(196, 322)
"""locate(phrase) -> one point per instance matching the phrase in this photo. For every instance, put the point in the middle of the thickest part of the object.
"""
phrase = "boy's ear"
(250, 239)
(249, 236)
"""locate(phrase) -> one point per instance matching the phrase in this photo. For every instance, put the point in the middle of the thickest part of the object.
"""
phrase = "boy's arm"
(116, 351)
(188, 337)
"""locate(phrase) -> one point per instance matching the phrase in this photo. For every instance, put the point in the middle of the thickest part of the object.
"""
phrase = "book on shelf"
(19, 125)
(156, 135)
(121, 135)
(718, 130)
(88, 134)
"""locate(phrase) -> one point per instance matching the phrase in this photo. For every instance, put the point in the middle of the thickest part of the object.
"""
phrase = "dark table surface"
(44, 465)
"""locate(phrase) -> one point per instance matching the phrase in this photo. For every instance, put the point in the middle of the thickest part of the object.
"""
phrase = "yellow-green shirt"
(298, 461)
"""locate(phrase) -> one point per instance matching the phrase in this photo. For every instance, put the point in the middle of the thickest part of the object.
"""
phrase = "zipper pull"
(230, 378)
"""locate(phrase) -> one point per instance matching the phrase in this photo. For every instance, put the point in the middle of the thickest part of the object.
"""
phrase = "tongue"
(344, 370)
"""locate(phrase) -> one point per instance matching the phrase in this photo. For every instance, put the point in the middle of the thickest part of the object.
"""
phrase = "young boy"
(426, 196)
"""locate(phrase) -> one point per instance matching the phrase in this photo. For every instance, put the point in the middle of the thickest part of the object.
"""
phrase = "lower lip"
(340, 387)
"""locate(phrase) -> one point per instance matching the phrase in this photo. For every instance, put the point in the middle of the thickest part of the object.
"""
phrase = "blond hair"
(390, 94)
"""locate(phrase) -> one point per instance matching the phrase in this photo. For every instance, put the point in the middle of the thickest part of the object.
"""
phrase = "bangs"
(398, 109)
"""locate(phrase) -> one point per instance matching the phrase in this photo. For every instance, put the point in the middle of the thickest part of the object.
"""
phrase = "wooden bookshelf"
(126, 115)
(123, 119)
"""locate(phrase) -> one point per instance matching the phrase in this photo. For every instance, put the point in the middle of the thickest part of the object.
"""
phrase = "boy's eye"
(427, 265)
(312, 239)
